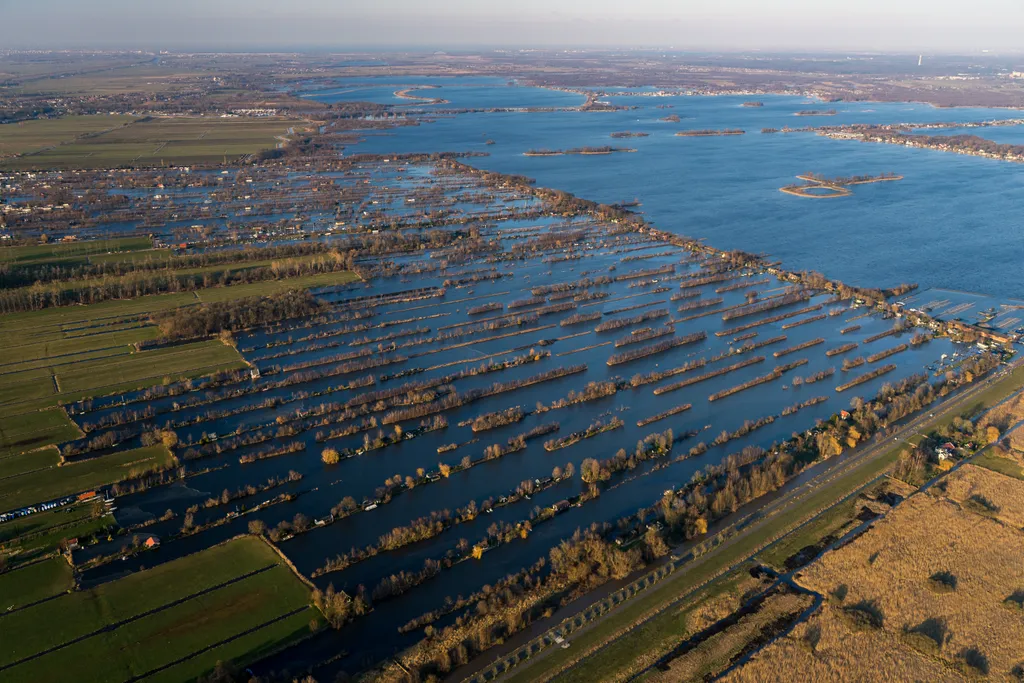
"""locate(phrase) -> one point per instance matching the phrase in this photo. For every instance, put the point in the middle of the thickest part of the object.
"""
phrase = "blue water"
(459, 91)
(952, 222)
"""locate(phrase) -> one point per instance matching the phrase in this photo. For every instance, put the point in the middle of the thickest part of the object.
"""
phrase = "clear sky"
(891, 25)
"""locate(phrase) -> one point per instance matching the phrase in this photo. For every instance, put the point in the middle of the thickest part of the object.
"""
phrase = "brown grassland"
(1006, 415)
(826, 648)
(988, 492)
(713, 655)
(1003, 418)
(696, 614)
(943, 578)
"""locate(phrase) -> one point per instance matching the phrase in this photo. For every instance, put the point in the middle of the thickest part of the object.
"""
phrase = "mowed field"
(232, 602)
(942, 579)
(73, 253)
(32, 136)
(28, 585)
(145, 142)
(64, 354)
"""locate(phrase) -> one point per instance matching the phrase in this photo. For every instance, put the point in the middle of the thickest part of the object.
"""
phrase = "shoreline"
(582, 152)
(708, 133)
(404, 94)
(837, 187)
(801, 191)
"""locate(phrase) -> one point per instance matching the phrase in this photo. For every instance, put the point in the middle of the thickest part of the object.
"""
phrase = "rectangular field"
(55, 482)
(236, 596)
(27, 585)
(19, 434)
(47, 253)
(156, 141)
(32, 136)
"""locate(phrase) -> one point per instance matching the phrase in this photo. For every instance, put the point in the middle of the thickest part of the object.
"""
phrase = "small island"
(575, 150)
(817, 112)
(709, 132)
(629, 134)
(406, 94)
(819, 187)
(671, 118)
(753, 104)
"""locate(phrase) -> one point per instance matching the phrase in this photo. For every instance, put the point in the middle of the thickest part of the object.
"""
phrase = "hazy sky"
(910, 25)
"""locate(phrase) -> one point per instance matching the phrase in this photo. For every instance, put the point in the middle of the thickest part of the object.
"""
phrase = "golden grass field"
(1007, 414)
(697, 614)
(1004, 418)
(714, 654)
(979, 546)
(825, 648)
(973, 486)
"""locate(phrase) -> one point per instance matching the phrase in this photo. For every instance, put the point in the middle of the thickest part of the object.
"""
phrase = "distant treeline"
(139, 284)
(13, 274)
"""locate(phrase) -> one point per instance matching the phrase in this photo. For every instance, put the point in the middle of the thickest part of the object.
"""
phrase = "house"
(945, 453)
(844, 414)
(560, 505)
(152, 542)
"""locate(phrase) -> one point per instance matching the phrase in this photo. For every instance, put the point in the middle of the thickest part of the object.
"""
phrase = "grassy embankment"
(232, 602)
(620, 654)
(997, 463)
(111, 141)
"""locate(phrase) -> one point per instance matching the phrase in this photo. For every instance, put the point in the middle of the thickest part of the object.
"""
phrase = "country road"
(755, 517)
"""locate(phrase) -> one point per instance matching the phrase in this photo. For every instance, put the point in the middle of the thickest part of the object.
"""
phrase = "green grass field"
(19, 434)
(997, 463)
(217, 273)
(36, 582)
(32, 136)
(114, 77)
(215, 294)
(13, 465)
(55, 482)
(80, 251)
(214, 606)
(147, 142)
(830, 522)
(53, 324)
(154, 364)
(71, 380)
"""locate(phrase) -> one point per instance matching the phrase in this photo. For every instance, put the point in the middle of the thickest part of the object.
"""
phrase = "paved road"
(792, 494)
